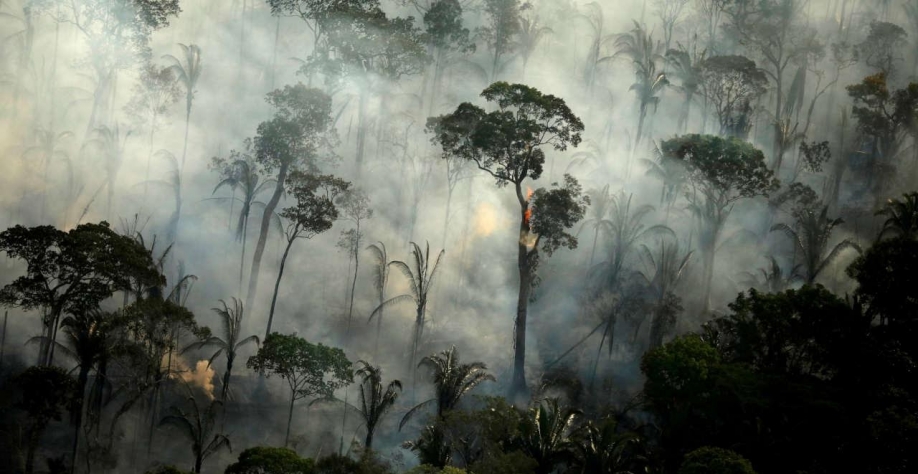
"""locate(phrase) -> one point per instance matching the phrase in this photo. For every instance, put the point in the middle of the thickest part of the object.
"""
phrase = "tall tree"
(313, 213)
(71, 272)
(420, 274)
(311, 370)
(645, 55)
(777, 32)
(46, 393)
(884, 118)
(381, 266)
(452, 380)
(156, 91)
(355, 206)
(242, 171)
(188, 72)
(448, 39)
(687, 67)
(375, 399)
(229, 344)
(118, 33)
(529, 37)
(500, 31)
(901, 216)
(670, 13)
(290, 141)
(810, 237)
(198, 425)
(508, 145)
(881, 48)
(599, 39)
(722, 171)
(732, 85)
(369, 48)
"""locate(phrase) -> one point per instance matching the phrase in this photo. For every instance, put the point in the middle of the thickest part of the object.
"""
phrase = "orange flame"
(527, 216)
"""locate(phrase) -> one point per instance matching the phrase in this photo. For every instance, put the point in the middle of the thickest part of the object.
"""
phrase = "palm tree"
(109, 143)
(229, 344)
(639, 47)
(601, 203)
(687, 68)
(86, 341)
(598, 41)
(528, 38)
(600, 448)
(811, 241)
(375, 400)
(666, 271)
(188, 73)
(451, 379)
(773, 278)
(243, 174)
(624, 231)
(380, 280)
(901, 216)
(672, 175)
(421, 278)
(198, 426)
(545, 434)
(171, 182)
(48, 147)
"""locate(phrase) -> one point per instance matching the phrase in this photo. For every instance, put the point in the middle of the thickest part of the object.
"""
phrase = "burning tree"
(507, 143)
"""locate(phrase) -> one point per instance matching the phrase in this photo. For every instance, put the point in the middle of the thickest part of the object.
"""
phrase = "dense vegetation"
(459, 236)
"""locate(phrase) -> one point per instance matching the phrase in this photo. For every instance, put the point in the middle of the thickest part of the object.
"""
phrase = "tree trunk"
(280, 273)
(350, 311)
(226, 379)
(369, 441)
(245, 230)
(593, 252)
(518, 384)
(361, 128)
(289, 419)
(263, 234)
(198, 460)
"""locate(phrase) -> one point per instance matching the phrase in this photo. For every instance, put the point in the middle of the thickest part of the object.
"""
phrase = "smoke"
(201, 376)
(474, 299)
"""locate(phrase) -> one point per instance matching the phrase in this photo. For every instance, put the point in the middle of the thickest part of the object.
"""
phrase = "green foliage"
(337, 464)
(72, 271)
(268, 460)
(711, 460)
(428, 469)
(514, 462)
(678, 371)
(167, 470)
(300, 127)
(375, 400)
(883, 115)
(886, 280)
(879, 49)
(46, 393)
(197, 425)
(795, 332)
(556, 210)
(309, 369)
(901, 216)
(726, 169)
(507, 142)
(732, 85)
(444, 30)
(315, 211)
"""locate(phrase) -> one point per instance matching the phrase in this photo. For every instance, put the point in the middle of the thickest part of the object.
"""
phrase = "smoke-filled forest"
(459, 236)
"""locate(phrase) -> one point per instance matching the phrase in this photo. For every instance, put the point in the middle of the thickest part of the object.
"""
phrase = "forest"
(459, 236)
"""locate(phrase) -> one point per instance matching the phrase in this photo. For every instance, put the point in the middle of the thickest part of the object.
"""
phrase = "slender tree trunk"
(289, 419)
(350, 311)
(185, 145)
(245, 229)
(449, 201)
(518, 383)
(198, 460)
(280, 274)
(78, 414)
(361, 128)
(263, 234)
(593, 252)
(369, 440)
(226, 379)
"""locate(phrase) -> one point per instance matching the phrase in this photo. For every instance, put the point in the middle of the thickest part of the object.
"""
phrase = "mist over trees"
(458, 236)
